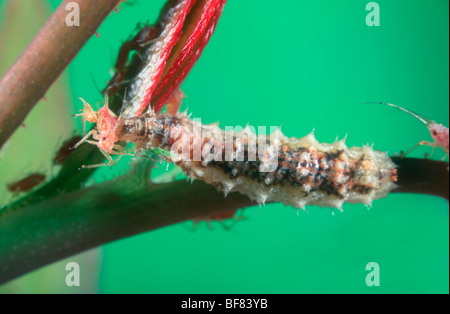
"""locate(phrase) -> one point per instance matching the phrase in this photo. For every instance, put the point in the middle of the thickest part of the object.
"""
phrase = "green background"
(302, 65)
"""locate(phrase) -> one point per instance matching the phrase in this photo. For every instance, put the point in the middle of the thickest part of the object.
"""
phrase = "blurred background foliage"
(299, 64)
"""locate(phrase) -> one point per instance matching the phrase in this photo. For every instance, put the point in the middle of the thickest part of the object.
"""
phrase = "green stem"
(71, 223)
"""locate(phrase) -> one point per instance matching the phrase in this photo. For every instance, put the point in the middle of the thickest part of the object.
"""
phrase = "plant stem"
(61, 218)
(71, 223)
(422, 176)
(45, 58)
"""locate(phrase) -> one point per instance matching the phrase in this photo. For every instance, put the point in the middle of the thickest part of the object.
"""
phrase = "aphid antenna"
(419, 117)
(139, 55)
(95, 83)
(143, 44)
(124, 101)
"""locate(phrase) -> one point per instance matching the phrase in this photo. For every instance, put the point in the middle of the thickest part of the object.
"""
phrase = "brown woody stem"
(56, 44)
(422, 176)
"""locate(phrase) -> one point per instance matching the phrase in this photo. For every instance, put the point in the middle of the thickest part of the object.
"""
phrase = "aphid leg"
(224, 226)
(117, 159)
(121, 151)
(111, 162)
(85, 139)
(92, 142)
(403, 155)
(197, 221)
(432, 151)
(194, 225)
(139, 55)
(235, 219)
(119, 148)
(143, 44)
(87, 114)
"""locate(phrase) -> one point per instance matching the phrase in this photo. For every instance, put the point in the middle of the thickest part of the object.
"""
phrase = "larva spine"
(307, 172)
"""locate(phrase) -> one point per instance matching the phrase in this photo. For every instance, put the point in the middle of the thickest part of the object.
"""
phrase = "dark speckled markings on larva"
(306, 172)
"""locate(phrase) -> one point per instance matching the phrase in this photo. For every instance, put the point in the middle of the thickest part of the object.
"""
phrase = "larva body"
(306, 172)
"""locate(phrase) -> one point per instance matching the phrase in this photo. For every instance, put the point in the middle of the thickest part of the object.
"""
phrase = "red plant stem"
(56, 44)
(171, 33)
(197, 22)
(423, 176)
(189, 63)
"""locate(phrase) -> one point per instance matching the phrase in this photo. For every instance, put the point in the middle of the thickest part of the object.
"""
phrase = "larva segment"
(306, 173)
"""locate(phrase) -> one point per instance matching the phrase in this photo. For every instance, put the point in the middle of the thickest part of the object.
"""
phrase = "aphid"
(27, 183)
(104, 133)
(438, 132)
(65, 150)
(221, 217)
(306, 173)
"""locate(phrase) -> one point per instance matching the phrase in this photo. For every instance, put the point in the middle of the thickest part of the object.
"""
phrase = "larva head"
(440, 134)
